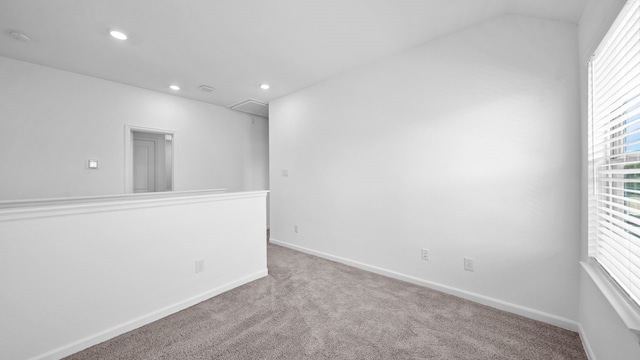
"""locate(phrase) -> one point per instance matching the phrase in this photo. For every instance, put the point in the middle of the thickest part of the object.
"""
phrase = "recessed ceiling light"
(174, 87)
(19, 35)
(265, 86)
(118, 35)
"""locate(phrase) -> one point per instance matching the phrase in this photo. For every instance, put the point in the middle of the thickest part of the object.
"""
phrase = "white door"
(144, 165)
(149, 158)
(152, 157)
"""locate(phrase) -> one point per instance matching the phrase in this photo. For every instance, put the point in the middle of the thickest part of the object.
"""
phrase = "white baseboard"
(585, 343)
(485, 300)
(132, 324)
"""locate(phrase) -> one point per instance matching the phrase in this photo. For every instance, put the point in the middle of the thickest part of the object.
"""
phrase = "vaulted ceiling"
(236, 45)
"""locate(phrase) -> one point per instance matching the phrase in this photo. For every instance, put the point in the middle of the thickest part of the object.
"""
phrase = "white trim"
(628, 312)
(93, 198)
(485, 300)
(28, 209)
(132, 324)
(128, 154)
(585, 343)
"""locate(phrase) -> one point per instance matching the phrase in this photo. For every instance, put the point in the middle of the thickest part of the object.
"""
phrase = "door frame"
(128, 154)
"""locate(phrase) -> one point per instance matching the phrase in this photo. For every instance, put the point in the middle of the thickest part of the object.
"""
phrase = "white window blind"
(614, 157)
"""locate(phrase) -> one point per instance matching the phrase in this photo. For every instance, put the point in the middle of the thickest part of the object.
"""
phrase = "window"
(614, 157)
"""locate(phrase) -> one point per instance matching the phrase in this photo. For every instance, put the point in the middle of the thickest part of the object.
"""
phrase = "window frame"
(614, 147)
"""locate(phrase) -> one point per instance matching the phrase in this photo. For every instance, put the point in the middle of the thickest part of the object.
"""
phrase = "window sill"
(628, 312)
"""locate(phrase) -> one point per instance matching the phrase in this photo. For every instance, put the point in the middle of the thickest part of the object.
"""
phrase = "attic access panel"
(253, 107)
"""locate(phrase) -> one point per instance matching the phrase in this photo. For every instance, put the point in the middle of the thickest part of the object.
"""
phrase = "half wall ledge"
(25, 209)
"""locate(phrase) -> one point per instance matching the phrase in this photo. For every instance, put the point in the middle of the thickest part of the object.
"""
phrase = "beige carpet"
(311, 308)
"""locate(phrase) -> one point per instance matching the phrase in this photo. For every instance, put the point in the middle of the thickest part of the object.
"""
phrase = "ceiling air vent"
(253, 107)
(206, 88)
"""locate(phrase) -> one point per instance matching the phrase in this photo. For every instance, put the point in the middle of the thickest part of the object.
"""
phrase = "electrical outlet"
(295, 228)
(199, 265)
(425, 254)
(468, 264)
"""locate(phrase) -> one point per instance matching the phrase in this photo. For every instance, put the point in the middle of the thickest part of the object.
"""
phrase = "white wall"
(54, 121)
(76, 274)
(603, 332)
(467, 146)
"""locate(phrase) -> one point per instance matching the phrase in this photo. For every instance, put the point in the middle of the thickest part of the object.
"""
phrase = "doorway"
(150, 154)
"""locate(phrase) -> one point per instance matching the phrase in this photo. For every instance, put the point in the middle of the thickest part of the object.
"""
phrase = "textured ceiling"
(235, 45)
